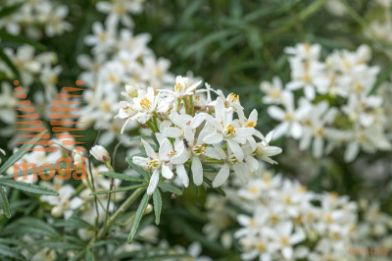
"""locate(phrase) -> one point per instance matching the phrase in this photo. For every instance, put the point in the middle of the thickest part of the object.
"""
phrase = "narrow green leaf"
(167, 187)
(10, 64)
(121, 189)
(8, 10)
(138, 216)
(73, 223)
(20, 152)
(32, 188)
(120, 176)
(9, 252)
(89, 255)
(29, 226)
(157, 200)
(4, 202)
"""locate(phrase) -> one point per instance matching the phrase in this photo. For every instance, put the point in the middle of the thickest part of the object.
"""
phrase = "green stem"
(125, 205)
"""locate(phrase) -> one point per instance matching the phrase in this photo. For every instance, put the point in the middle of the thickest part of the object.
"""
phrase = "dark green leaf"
(89, 256)
(10, 9)
(73, 223)
(157, 200)
(120, 176)
(121, 189)
(138, 216)
(4, 202)
(9, 252)
(31, 188)
(4, 57)
(21, 40)
(29, 226)
(168, 187)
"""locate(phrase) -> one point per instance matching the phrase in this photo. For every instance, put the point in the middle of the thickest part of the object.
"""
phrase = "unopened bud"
(100, 153)
(148, 210)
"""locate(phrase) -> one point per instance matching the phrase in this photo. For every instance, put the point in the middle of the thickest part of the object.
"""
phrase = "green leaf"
(121, 189)
(138, 217)
(73, 223)
(9, 252)
(32, 188)
(168, 187)
(29, 226)
(20, 152)
(89, 255)
(4, 202)
(115, 175)
(157, 200)
(8, 10)
(21, 40)
(61, 245)
(10, 64)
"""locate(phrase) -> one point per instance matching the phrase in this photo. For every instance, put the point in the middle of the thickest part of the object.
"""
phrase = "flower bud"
(100, 153)
(148, 210)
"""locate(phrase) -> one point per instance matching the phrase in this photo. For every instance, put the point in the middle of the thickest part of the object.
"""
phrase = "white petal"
(182, 175)
(296, 130)
(276, 112)
(318, 146)
(213, 138)
(167, 172)
(140, 161)
(236, 149)
(351, 151)
(197, 171)
(153, 182)
(172, 132)
(222, 176)
(165, 149)
(149, 150)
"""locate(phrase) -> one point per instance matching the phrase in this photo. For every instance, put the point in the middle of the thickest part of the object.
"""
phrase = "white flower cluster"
(193, 129)
(337, 106)
(33, 16)
(373, 233)
(70, 200)
(287, 222)
(33, 67)
(119, 58)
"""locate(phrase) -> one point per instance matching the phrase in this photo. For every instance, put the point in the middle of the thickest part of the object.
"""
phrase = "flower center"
(152, 164)
(102, 37)
(145, 104)
(250, 124)
(105, 106)
(179, 87)
(199, 149)
(260, 246)
(232, 97)
(230, 130)
(288, 117)
(285, 240)
(319, 132)
(275, 94)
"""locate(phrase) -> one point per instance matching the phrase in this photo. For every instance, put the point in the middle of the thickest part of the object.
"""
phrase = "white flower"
(158, 163)
(224, 128)
(102, 39)
(65, 203)
(274, 91)
(280, 217)
(118, 10)
(100, 153)
(290, 117)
